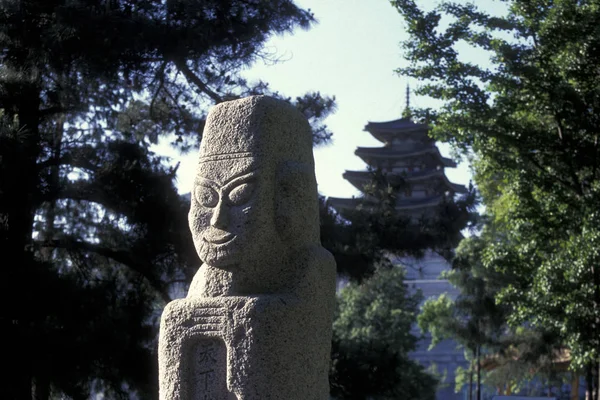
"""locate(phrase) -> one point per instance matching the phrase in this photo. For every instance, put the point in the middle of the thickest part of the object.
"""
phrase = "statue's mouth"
(219, 239)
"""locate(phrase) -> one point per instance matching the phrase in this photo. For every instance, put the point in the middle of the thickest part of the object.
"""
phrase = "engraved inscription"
(208, 370)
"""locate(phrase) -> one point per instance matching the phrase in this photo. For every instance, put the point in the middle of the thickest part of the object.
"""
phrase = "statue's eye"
(241, 194)
(207, 196)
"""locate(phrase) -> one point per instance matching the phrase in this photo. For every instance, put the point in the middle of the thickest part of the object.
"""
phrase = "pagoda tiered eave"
(390, 153)
(385, 132)
(403, 205)
(361, 178)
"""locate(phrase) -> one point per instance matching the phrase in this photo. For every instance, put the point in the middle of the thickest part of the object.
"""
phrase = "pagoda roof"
(359, 178)
(367, 153)
(406, 204)
(402, 124)
(385, 131)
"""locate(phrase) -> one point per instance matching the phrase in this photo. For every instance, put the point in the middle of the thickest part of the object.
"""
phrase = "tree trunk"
(589, 383)
(53, 186)
(478, 358)
(471, 367)
(41, 389)
(596, 278)
(597, 387)
(18, 191)
(574, 386)
(19, 188)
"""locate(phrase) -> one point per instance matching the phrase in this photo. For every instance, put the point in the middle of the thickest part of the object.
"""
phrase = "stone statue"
(256, 323)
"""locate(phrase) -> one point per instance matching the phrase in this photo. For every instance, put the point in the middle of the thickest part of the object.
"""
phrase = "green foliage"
(472, 319)
(92, 229)
(354, 258)
(531, 119)
(437, 318)
(526, 362)
(371, 341)
(363, 238)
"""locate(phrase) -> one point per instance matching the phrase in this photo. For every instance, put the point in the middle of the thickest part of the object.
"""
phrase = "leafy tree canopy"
(92, 230)
(531, 119)
(372, 338)
(363, 239)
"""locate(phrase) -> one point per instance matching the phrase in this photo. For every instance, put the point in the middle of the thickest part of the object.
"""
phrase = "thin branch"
(122, 256)
(514, 143)
(152, 59)
(79, 161)
(560, 133)
(50, 111)
(161, 84)
(44, 112)
(567, 159)
(595, 167)
(563, 182)
(81, 191)
(193, 78)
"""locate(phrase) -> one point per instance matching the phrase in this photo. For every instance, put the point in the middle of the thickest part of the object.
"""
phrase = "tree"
(525, 363)
(530, 118)
(364, 239)
(91, 226)
(473, 319)
(372, 339)
(476, 320)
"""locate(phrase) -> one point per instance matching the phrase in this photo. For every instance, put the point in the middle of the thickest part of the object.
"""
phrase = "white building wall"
(424, 274)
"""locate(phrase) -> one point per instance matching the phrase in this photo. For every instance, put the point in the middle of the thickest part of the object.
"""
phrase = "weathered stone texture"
(256, 323)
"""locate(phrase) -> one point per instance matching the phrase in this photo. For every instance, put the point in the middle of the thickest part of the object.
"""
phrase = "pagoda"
(410, 158)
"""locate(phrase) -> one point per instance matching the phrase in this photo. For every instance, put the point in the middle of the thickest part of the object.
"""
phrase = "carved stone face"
(232, 214)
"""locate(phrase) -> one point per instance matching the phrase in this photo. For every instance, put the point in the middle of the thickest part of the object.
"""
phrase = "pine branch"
(193, 78)
(122, 256)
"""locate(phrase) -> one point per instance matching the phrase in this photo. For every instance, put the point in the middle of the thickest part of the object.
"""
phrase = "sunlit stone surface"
(256, 323)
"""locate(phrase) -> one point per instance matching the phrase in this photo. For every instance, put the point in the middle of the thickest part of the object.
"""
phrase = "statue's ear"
(294, 208)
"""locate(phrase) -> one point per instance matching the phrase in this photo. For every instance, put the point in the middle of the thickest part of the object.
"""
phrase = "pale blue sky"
(352, 54)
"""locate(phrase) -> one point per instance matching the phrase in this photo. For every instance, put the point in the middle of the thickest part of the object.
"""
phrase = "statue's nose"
(220, 217)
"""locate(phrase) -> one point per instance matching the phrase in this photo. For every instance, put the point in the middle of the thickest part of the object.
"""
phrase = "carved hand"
(202, 317)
